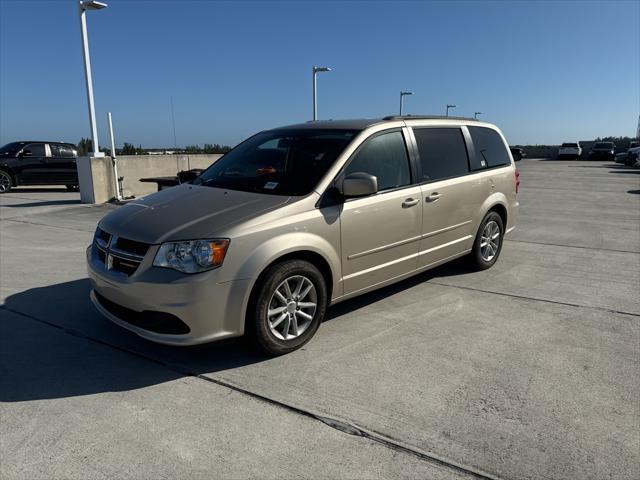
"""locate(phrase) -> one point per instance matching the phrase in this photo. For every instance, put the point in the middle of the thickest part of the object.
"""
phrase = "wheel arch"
(311, 256)
(501, 210)
(303, 246)
(11, 172)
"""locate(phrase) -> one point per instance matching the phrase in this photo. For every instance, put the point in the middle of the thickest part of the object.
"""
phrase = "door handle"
(410, 202)
(433, 197)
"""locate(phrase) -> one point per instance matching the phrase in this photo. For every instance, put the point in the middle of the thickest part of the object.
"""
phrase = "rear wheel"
(6, 181)
(290, 303)
(488, 243)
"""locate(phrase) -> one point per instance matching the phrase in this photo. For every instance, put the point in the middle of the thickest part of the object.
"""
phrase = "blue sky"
(545, 72)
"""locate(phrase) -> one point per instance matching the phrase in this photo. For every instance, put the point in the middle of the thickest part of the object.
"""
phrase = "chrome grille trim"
(125, 262)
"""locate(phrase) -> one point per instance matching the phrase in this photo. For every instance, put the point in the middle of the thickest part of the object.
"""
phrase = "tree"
(128, 149)
(84, 147)
(215, 148)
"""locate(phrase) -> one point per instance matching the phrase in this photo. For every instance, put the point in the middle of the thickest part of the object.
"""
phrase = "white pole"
(315, 93)
(89, 83)
(113, 158)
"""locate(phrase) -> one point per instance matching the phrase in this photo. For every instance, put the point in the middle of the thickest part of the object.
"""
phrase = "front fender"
(279, 246)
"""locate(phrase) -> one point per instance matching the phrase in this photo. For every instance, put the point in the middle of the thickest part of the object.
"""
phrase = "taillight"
(517, 179)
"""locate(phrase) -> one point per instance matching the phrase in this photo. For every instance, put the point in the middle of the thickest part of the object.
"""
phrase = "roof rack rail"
(427, 117)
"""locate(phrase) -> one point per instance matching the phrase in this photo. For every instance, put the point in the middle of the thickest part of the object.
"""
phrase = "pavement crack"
(47, 225)
(534, 299)
(573, 246)
(341, 425)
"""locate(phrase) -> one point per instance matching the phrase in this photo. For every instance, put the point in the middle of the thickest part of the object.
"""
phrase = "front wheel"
(290, 303)
(488, 243)
(6, 182)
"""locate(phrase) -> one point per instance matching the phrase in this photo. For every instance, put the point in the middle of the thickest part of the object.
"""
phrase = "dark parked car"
(517, 153)
(623, 157)
(603, 151)
(38, 163)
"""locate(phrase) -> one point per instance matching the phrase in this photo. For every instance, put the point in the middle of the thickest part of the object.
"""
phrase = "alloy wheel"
(490, 241)
(5, 181)
(292, 307)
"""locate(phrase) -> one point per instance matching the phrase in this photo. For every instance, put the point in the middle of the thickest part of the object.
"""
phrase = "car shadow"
(54, 344)
(606, 165)
(52, 189)
(451, 269)
(44, 203)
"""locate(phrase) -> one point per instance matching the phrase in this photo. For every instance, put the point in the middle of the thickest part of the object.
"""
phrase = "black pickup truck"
(38, 163)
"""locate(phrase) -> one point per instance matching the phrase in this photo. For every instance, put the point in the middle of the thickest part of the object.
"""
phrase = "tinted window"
(571, 145)
(385, 157)
(442, 151)
(36, 149)
(489, 148)
(278, 162)
(61, 151)
(10, 148)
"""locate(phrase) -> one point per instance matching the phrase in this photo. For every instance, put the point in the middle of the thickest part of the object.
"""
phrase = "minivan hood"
(186, 212)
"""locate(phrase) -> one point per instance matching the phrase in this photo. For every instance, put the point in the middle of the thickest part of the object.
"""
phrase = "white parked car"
(570, 150)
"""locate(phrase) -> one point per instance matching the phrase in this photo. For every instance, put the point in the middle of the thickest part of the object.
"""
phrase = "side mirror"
(359, 184)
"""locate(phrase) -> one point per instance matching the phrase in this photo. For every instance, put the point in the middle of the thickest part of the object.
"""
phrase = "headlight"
(192, 256)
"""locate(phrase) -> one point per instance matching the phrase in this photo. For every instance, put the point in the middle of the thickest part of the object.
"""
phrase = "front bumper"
(211, 310)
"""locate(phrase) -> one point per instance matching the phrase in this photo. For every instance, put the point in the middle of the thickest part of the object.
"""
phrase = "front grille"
(132, 246)
(157, 322)
(118, 254)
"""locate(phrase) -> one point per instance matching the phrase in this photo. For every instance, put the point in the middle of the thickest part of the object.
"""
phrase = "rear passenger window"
(385, 157)
(489, 148)
(64, 151)
(442, 151)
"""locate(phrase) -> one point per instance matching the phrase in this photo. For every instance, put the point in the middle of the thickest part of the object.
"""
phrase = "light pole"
(475, 114)
(114, 159)
(448, 107)
(85, 5)
(315, 90)
(402, 94)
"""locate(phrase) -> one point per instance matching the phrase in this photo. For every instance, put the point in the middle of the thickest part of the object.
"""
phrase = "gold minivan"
(298, 218)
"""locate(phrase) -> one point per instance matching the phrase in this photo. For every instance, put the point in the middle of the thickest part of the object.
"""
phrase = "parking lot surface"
(527, 370)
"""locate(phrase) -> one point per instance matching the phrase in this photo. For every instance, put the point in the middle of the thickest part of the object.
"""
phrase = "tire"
(276, 334)
(6, 181)
(484, 255)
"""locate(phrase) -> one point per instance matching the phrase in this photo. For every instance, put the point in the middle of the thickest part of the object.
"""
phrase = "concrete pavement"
(527, 370)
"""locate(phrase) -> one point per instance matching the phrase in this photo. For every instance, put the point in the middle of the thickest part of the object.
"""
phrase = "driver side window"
(36, 149)
(385, 157)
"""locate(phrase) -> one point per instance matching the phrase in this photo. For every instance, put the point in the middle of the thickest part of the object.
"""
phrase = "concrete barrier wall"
(135, 167)
(97, 181)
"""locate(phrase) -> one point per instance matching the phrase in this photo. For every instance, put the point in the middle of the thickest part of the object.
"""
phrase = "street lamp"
(402, 94)
(448, 107)
(85, 5)
(475, 114)
(316, 70)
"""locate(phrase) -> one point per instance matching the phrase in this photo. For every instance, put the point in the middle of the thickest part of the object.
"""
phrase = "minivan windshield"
(278, 162)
